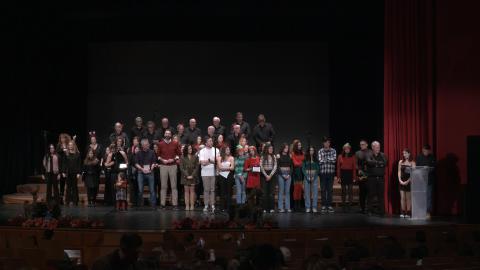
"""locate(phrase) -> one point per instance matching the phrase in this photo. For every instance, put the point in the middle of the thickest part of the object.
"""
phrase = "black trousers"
(52, 185)
(376, 189)
(268, 190)
(92, 194)
(72, 189)
(363, 192)
(109, 194)
(226, 190)
(62, 182)
(133, 187)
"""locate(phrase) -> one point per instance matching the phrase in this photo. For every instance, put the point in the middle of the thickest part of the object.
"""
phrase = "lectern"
(419, 185)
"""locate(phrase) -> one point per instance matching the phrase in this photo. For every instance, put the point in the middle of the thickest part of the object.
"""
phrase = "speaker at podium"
(419, 185)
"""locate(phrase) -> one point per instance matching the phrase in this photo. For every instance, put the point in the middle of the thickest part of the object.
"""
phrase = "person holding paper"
(144, 162)
(427, 159)
(376, 163)
(207, 157)
(252, 167)
(226, 166)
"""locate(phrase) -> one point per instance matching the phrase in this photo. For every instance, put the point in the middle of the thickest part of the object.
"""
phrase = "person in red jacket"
(168, 156)
(252, 167)
(297, 159)
(346, 174)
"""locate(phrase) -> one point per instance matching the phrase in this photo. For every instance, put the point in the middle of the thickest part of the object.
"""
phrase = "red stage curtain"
(408, 89)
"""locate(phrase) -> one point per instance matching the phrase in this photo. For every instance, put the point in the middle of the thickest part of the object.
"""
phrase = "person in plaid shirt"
(327, 157)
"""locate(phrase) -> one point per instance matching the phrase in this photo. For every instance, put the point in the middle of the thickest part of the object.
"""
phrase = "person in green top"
(310, 169)
(240, 175)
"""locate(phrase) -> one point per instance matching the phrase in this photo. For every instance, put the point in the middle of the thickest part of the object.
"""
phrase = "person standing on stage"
(427, 159)
(263, 132)
(268, 167)
(361, 156)
(51, 173)
(151, 134)
(211, 133)
(310, 169)
(91, 176)
(346, 175)
(376, 163)
(226, 166)
(181, 134)
(252, 167)
(94, 145)
(244, 126)
(119, 159)
(285, 166)
(144, 162)
(62, 149)
(107, 164)
(297, 160)
(168, 155)
(219, 129)
(327, 157)
(189, 175)
(118, 132)
(207, 157)
(235, 136)
(132, 170)
(72, 167)
(165, 126)
(139, 129)
(220, 142)
(192, 132)
(240, 175)
(405, 166)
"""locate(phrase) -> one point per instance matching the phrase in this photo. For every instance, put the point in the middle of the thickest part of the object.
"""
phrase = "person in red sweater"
(252, 167)
(297, 160)
(168, 156)
(346, 174)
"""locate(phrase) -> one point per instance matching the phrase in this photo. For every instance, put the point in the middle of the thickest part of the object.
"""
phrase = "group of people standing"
(182, 159)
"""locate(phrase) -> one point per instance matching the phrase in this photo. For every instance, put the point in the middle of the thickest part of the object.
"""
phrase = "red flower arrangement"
(51, 224)
(212, 224)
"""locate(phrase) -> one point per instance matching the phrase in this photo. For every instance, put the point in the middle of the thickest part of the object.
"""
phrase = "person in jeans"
(145, 162)
(207, 157)
(310, 169)
(327, 157)
(168, 156)
(240, 175)
(285, 166)
(226, 166)
(361, 156)
(346, 174)
(268, 168)
(376, 163)
(426, 158)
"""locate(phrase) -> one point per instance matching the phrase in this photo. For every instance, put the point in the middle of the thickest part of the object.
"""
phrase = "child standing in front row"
(121, 194)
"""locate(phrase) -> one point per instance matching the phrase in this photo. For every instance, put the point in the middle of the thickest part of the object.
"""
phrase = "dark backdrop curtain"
(408, 89)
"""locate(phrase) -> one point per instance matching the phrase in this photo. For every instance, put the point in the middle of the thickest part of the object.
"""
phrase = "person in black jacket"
(51, 173)
(91, 176)
(263, 132)
(139, 129)
(426, 158)
(192, 132)
(72, 167)
(376, 163)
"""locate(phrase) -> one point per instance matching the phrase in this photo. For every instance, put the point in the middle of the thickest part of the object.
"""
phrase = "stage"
(148, 219)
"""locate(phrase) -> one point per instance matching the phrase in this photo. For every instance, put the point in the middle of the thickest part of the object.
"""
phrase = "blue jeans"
(151, 187)
(310, 189)
(284, 191)
(241, 195)
(326, 188)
